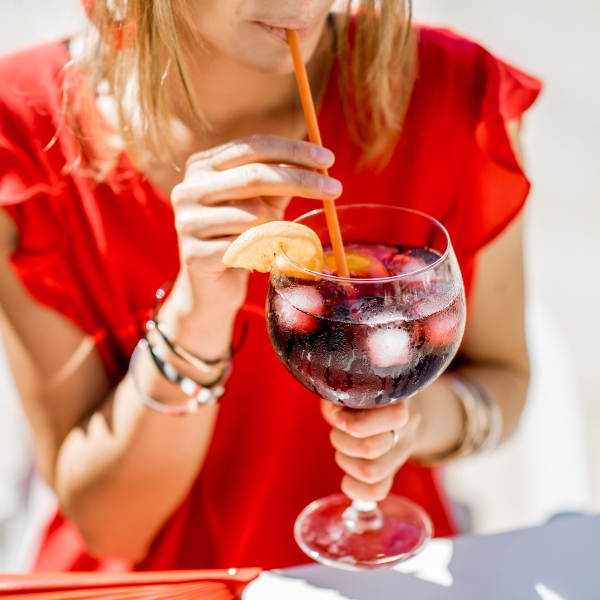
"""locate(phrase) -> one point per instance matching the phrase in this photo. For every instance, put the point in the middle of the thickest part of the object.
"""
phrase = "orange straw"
(314, 135)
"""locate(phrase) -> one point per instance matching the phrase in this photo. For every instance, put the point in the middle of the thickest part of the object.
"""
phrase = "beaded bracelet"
(203, 396)
(191, 388)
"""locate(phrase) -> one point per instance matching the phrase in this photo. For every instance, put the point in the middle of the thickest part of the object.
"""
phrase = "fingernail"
(330, 186)
(322, 156)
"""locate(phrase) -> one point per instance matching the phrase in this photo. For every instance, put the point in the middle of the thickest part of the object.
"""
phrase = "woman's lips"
(278, 33)
(277, 29)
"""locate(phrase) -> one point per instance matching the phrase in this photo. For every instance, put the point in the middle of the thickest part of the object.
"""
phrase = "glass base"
(331, 531)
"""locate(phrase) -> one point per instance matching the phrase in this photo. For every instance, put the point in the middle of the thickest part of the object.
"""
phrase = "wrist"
(481, 420)
(224, 291)
(149, 383)
(201, 324)
(442, 419)
(163, 389)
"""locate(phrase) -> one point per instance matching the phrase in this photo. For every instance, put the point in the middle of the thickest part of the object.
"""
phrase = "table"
(556, 561)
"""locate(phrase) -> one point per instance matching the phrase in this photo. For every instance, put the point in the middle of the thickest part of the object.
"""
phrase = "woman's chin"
(268, 62)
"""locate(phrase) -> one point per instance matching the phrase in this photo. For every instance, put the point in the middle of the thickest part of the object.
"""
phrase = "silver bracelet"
(492, 419)
(198, 395)
(482, 422)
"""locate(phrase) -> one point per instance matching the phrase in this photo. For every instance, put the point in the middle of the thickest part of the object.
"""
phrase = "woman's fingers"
(365, 423)
(372, 471)
(371, 445)
(261, 148)
(231, 188)
(217, 222)
(257, 179)
(355, 489)
(204, 256)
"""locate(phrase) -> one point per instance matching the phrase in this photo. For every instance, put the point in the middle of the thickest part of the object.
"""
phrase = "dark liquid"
(367, 345)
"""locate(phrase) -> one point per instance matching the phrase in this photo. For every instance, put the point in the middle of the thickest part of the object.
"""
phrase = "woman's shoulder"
(446, 49)
(462, 69)
(444, 40)
(30, 95)
(31, 74)
(30, 117)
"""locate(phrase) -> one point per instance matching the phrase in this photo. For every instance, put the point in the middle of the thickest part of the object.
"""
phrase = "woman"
(133, 156)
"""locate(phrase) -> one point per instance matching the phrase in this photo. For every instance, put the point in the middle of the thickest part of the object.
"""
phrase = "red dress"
(98, 253)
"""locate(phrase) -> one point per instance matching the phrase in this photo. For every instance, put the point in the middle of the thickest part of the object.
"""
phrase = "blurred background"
(552, 464)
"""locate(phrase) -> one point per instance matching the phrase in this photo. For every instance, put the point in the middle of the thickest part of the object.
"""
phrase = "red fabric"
(97, 254)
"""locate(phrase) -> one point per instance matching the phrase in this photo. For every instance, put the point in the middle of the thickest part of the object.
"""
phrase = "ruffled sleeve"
(28, 192)
(84, 248)
(494, 187)
(21, 176)
(29, 182)
(43, 259)
(33, 193)
(27, 104)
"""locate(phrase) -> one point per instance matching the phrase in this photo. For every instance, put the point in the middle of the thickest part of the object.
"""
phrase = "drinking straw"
(314, 135)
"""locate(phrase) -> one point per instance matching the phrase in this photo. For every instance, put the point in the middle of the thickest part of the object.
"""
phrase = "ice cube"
(436, 297)
(304, 298)
(403, 264)
(388, 347)
(384, 252)
(293, 309)
(442, 328)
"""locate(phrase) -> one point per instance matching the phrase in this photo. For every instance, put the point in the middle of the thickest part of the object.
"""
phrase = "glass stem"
(362, 516)
(364, 505)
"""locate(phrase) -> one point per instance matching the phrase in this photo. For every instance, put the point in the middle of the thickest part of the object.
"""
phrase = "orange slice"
(257, 247)
(359, 264)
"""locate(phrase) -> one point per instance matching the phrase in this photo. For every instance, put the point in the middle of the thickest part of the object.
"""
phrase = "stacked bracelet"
(482, 422)
(167, 409)
(210, 367)
(213, 368)
(490, 418)
(198, 393)
(204, 394)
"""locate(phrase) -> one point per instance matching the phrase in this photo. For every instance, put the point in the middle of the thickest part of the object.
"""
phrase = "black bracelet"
(191, 388)
(166, 409)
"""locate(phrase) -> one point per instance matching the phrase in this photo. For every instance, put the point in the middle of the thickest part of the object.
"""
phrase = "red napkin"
(156, 585)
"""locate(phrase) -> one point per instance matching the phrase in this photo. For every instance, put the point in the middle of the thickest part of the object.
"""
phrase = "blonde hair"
(136, 44)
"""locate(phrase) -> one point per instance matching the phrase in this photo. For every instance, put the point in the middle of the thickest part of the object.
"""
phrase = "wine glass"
(364, 342)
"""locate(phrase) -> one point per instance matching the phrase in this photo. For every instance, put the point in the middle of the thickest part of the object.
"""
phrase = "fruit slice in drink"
(258, 246)
(363, 261)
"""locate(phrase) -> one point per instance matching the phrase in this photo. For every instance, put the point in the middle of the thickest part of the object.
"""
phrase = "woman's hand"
(228, 189)
(371, 445)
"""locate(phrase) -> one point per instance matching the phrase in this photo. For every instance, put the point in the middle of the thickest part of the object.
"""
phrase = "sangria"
(376, 337)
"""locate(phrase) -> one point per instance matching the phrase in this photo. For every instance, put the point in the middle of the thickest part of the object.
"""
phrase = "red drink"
(367, 345)
(376, 337)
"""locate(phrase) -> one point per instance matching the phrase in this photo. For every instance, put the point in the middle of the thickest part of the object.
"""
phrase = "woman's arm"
(496, 355)
(119, 469)
(495, 351)
(494, 346)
